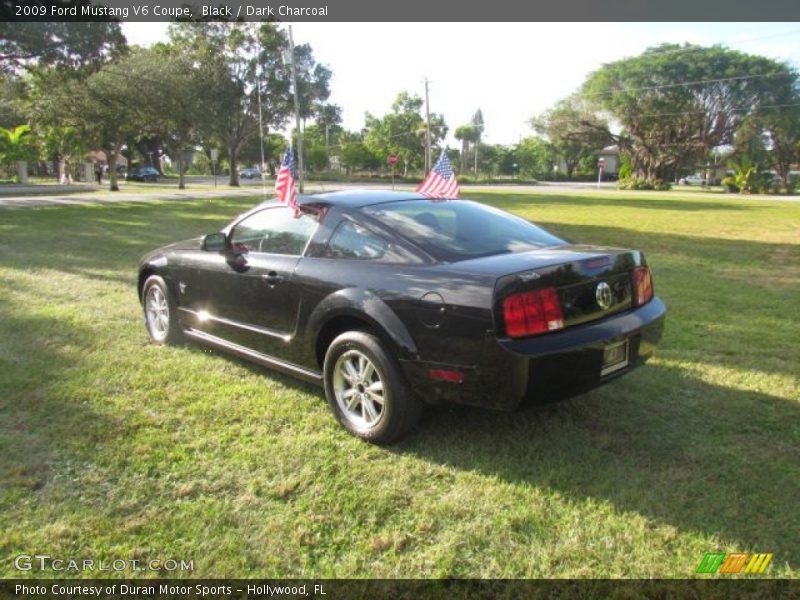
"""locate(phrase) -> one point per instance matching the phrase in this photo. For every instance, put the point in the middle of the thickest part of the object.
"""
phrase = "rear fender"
(368, 307)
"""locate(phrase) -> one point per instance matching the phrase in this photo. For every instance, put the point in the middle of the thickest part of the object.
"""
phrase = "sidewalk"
(59, 196)
(13, 196)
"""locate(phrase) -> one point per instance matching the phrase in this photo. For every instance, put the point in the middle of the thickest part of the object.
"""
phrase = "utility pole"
(427, 130)
(296, 113)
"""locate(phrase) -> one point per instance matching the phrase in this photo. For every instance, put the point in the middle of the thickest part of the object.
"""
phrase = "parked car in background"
(391, 300)
(694, 179)
(250, 173)
(143, 174)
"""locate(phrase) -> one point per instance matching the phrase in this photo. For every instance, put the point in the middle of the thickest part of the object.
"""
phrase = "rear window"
(454, 230)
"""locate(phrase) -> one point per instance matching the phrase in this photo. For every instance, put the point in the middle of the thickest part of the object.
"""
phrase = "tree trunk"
(60, 170)
(233, 159)
(112, 169)
(477, 143)
(181, 176)
(463, 156)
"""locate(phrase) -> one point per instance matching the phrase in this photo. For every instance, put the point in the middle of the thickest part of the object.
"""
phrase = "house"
(610, 154)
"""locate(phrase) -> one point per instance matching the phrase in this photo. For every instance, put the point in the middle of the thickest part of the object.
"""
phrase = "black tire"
(377, 422)
(163, 329)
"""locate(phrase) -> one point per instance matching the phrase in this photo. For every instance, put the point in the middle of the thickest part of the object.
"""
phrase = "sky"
(511, 71)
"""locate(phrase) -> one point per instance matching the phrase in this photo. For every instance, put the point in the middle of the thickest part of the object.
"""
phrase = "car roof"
(358, 198)
(347, 198)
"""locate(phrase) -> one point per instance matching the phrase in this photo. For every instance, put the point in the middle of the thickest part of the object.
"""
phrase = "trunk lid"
(575, 271)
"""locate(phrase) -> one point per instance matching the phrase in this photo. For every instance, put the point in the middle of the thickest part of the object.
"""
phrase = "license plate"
(615, 357)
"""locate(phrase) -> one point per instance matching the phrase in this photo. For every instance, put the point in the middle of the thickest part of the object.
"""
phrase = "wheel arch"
(144, 273)
(152, 266)
(354, 309)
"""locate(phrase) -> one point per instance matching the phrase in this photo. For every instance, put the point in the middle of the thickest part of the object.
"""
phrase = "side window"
(354, 241)
(275, 231)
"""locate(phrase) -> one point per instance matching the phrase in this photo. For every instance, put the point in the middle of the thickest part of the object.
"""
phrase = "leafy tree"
(98, 109)
(230, 56)
(317, 157)
(58, 44)
(329, 119)
(750, 141)
(402, 132)
(354, 155)
(507, 162)
(535, 157)
(171, 104)
(59, 144)
(573, 130)
(771, 135)
(240, 60)
(12, 109)
(313, 82)
(675, 103)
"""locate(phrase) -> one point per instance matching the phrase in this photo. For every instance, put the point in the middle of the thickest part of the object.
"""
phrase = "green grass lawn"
(111, 447)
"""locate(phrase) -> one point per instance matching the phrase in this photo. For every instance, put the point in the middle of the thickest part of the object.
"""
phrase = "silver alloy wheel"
(358, 388)
(157, 313)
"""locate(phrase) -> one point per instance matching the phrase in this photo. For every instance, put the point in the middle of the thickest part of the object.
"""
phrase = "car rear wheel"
(160, 314)
(366, 389)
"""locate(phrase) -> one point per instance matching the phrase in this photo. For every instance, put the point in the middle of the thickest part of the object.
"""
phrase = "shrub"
(729, 183)
(662, 185)
(639, 183)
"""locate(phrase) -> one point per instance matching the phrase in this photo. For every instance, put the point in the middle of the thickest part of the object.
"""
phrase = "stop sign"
(392, 159)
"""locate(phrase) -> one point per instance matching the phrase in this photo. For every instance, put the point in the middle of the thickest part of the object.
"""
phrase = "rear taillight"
(642, 286)
(530, 313)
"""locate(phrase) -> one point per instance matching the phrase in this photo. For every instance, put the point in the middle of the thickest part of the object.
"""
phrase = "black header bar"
(402, 10)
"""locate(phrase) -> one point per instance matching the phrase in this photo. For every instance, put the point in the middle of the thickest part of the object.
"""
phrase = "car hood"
(192, 244)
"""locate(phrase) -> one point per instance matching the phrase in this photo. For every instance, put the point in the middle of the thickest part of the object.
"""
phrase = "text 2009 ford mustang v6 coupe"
(390, 300)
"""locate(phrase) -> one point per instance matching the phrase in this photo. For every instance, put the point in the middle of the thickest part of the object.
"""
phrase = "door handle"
(272, 278)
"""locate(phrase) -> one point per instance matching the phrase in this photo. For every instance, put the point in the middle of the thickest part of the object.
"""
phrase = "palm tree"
(477, 123)
(464, 134)
(15, 146)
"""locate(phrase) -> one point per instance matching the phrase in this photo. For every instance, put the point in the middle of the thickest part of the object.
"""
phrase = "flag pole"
(428, 157)
(300, 173)
(260, 122)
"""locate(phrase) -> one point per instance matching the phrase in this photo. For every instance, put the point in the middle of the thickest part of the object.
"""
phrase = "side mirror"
(215, 242)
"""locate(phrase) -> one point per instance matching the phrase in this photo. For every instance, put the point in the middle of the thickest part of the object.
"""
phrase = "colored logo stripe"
(758, 563)
(733, 563)
(711, 562)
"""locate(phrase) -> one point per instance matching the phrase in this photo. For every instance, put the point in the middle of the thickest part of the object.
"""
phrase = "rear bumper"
(546, 367)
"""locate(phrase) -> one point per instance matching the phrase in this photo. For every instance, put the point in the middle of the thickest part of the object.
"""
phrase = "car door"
(246, 294)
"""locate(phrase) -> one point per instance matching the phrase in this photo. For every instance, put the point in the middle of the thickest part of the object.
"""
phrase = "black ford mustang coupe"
(389, 300)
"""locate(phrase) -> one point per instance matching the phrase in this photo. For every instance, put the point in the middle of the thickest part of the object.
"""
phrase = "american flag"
(285, 188)
(441, 181)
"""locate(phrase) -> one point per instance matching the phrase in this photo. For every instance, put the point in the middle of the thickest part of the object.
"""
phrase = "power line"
(693, 112)
(684, 84)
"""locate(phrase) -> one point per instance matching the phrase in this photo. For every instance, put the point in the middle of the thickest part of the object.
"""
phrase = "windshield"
(454, 230)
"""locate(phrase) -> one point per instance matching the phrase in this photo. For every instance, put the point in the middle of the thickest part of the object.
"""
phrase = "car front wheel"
(366, 389)
(160, 314)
